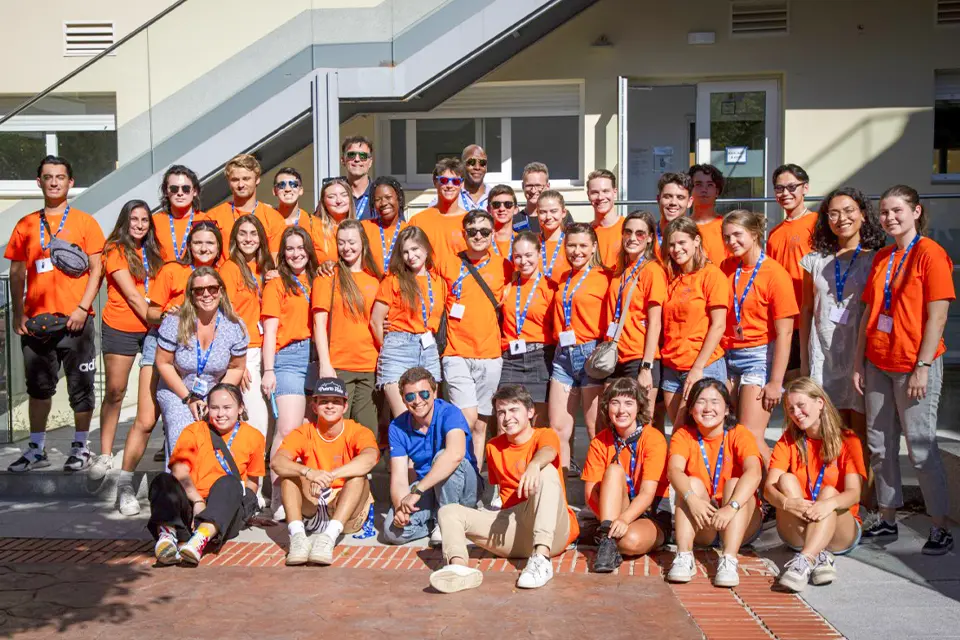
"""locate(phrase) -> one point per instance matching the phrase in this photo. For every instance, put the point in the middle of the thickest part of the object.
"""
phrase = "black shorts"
(531, 369)
(631, 369)
(77, 352)
(794, 362)
(121, 343)
(663, 519)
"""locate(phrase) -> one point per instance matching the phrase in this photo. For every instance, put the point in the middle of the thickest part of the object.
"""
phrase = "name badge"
(885, 323)
(260, 327)
(518, 347)
(839, 315)
(200, 387)
(568, 338)
(612, 330)
(457, 310)
(427, 340)
(44, 265)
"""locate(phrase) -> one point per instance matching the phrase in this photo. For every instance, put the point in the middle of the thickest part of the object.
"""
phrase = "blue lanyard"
(233, 210)
(360, 205)
(842, 280)
(383, 244)
(423, 307)
(706, 462)
(458, 283)
(496, 249)
(548, 267)
(623, 285)
(887, 286)
(63, 221)
(296, 221)
(469, 204)
(146, 270)
(202, 357)
(621, 444)
(659, 237)
(815, 489)
(303, 287)
(738, 301)
(568, 302)
(522, 316)
(220, 458)
(186, 232)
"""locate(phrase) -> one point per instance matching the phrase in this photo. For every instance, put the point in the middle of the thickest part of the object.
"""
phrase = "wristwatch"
(921, 363)
(734, 504)
(188, 398)
(646, 366)
(415, 489)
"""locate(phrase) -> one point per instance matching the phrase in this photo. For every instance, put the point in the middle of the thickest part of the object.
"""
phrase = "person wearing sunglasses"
(502, 204)
(243, 177)
(179, 210)
(475, 192)
(200, 346)
(357, 157)
(433, 437)
(288, 188)
(443, 222)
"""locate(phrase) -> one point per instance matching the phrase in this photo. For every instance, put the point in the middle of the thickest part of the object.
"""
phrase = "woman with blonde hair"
(333, 207)
(814, 480)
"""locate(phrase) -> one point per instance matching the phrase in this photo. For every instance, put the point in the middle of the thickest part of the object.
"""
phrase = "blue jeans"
(672, 381)
(463, 486)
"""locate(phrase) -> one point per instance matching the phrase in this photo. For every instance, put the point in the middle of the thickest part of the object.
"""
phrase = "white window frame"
(943, 93)
(420, 181)
(49, 126)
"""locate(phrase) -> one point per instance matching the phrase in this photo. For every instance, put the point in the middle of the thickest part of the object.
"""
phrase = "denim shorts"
(853, 545)
(568, 365)
(290, 366)
(149, 353)
(672, 380)
(402, 351)
(750, 365)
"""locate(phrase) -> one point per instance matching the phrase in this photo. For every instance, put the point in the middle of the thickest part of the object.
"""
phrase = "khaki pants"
(542, 519)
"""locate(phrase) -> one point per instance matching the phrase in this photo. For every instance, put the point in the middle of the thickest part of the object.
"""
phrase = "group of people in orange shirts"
(242, 313)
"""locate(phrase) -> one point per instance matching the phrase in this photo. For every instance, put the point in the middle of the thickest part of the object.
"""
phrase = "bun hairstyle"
(912, 198)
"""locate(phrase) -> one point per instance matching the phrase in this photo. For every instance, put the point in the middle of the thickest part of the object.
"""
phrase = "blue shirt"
(422, 448)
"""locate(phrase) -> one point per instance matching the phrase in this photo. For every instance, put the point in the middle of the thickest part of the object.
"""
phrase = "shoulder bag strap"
(224, 450)
(480, 281)
(624, 310)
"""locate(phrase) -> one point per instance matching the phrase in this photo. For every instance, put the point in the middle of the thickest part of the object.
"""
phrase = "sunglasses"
(505, 204)
(792, 188)
(208, 291)
(287, 184)
(483, 232)
(355, 155)
(327, 181)
(174, 189)
(445, 180)
(638, 234)
(473, 162)
(410, 397)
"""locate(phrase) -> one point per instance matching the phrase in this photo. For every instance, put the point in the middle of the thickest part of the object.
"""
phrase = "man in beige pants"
(535, 520)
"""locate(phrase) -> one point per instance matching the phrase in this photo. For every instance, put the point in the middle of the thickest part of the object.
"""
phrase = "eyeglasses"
(834, 214)
(445, 180)
(504, 204)
(473, 162)
(208, 291)
(483, 232)
(780, 188)
(327, 181)
(357, 155)
(174, 189)
(639, 234)
(410, 397)
(287, 184)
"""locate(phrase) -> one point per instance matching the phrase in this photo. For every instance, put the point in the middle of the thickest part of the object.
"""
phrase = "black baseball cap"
(331, 387)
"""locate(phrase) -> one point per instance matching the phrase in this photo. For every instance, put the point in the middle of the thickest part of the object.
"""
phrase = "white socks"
(81, 437)
(334, 529)
(38, 439)
(126, 479)
(295, 527)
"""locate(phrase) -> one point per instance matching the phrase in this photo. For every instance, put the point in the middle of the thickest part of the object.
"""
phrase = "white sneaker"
(796, 573)
(127, 500)
(684, 567)
(321, 551)
(279, 515)
(824, 572)
(436, 539)
(495, 502)
(166, 551)
(538, 572)
(299, 551)
(101, 466)
(727, 574)
(80, 457)
(455, 577)
(33, 458)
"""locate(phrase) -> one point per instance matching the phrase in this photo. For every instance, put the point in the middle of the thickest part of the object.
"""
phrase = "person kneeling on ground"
(815, 478)
(323, 471)
(535, 521)
(211, 489)
(714, 467)
(434, 436)
(625, 479)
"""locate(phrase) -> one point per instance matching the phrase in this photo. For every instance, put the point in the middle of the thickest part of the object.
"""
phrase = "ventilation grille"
(948, 12)
(759, 18)
(87, 38)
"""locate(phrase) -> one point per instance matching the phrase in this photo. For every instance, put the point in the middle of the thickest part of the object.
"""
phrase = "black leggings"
(170, 506)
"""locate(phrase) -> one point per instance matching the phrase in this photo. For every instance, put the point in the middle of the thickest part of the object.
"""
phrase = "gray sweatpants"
(889, 413)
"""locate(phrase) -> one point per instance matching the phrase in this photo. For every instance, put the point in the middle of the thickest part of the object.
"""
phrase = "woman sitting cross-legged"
(208, 495)
(815, 478)
(714, 467)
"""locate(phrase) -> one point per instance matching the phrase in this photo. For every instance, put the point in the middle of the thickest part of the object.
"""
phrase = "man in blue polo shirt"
(435, 437)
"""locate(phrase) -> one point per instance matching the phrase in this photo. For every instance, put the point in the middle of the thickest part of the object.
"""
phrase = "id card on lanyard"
(885, 321)
(612, 327)
(200, 386)
(45, 265)
(739, 300)
(548, 266)
(383, 244)
(630, 444)
(519, 346)
(568, 336)
(839, 313)
(180, 247)
(426, 339)
(706, 463)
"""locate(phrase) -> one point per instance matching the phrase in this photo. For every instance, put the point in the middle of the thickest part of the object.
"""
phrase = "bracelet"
(82, 309)
(265, 370)
(199, 501)
(687, 494)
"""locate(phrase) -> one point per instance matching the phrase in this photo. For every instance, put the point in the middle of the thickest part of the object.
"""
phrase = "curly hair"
(872, 236)
(393, 183)
(627, 388)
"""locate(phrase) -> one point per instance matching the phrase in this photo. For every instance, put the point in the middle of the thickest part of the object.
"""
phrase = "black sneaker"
(160, 455)
(939, 542)
(33, 458)
(574, 470)
(768, 515)
(80, 457)
(608, 557)
(882, 531)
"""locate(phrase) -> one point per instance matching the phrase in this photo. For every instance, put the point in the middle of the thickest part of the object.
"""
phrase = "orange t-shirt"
(507, 462)
(380, 246)
(553, 267)
(926, 276)
(737, 447)
(195, 449)
(245, 301)
(53, 291)
(474, 334)
(324, 242)
(292, 309)
(658, 247)
(650, 284)
(686, 315)
(308, 447)
(349, 337)
(273, 223)
(178, 238)
(788, 242)
(538, 325)
(444, 231)
(609, 241)
(770, 299)
(117, 313)
(504, 248)
(410, 319)
(588, 317)
(171, 285)
(712, 235)
(786, 457)
(651, 459)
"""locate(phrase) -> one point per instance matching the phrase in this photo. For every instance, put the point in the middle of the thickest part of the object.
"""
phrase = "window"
(515, 123)
(946, 126)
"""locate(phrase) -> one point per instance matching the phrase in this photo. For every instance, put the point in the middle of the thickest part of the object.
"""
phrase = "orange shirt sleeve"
(320, 297)
(161, 292)
(362, 438)
(780, 457)
(851, 456)
(715, 288)
(597, 459)
(653, 462)
(937, 270)
(295, 443)
(273, 298)
(256, 467)
(385, 292)
(186, 450)
(680, 443)
(493, 469)
(17, 247)
(547, 437)
(743, 445)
